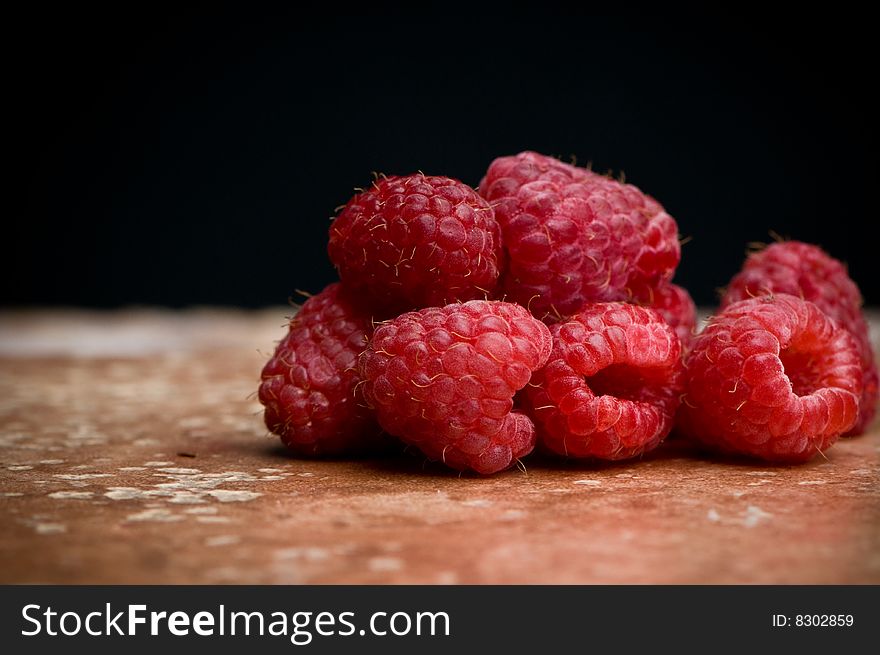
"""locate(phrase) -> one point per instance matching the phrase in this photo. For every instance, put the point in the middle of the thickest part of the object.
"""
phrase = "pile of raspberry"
(538, 312)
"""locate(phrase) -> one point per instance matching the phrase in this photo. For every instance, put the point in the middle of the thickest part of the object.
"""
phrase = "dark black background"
(192, 156)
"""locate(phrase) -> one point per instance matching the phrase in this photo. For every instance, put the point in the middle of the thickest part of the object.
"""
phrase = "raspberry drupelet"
(675, 306)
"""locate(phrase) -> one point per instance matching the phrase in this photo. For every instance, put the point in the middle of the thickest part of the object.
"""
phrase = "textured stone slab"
(132, 451)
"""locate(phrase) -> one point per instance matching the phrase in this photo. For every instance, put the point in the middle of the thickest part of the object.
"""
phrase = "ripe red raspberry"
(611, 386)
(308, 385)
(574, 237)
(416, 241)
(675, 306)
(772, 378)
(807, 271)
(443, 380)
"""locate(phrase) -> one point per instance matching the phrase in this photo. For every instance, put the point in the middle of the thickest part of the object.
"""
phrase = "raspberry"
(807, 271)
(573, 237)
(773, 378)
(416, 241)
(611, 386)
(675, 306)
(443, 380)
(308, 385)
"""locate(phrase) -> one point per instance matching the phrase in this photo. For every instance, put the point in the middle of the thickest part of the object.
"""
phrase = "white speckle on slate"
(77, 495)
(124, 493)
(10, 440)
(185, 498)
(230, 496)
(385, 564)
(447, 578)
(308, 553)
(159, 515)
(754, 515)
(173, 496)
(50, 528)
(199, 481)
(189, 486)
